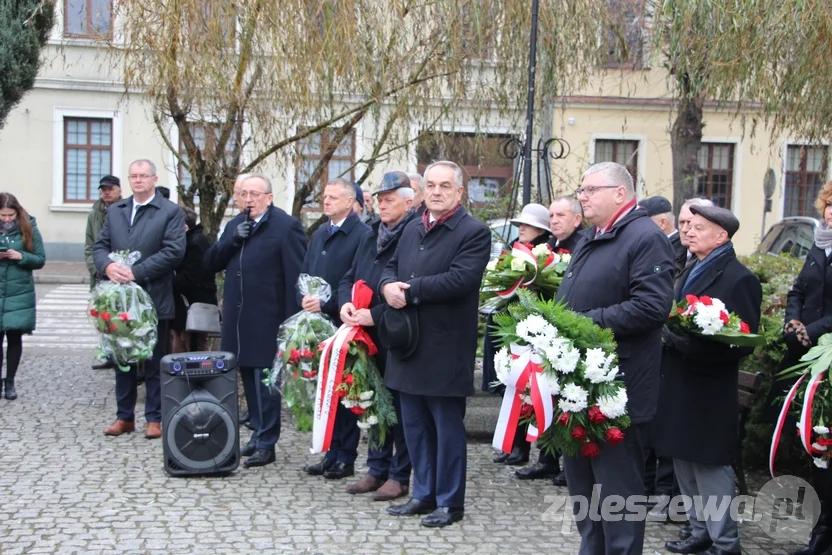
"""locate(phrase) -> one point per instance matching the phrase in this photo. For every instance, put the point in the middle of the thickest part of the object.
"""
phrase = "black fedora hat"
(398, 331)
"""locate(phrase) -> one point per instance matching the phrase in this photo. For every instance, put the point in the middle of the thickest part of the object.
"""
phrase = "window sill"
(80, 207)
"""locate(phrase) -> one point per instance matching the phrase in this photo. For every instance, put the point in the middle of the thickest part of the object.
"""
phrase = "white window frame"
(56, 36)
(59, 113)
(784, 152)
(736, 187)
(641, 165)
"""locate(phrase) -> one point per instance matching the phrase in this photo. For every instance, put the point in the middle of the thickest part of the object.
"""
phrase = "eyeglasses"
(253, 195)
(137, 176)
(592, 189)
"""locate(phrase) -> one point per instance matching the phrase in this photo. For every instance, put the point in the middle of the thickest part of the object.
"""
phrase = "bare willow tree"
(257, 76)
(762, 60)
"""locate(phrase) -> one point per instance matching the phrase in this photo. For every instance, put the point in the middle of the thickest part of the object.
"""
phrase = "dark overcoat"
(260, 278)
(368, 265)
(699, 404)
(570, 243)
(158, 233)
(191, 281)
(444, 269)
(810, 299)
(623, 280)
(680, 253)
(330, 257)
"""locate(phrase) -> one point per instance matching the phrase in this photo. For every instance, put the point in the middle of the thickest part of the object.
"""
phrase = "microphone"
(247, 212)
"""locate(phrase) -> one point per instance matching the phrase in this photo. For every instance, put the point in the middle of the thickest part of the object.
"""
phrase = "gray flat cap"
(392, 181)
(720, 216)
(656, 206)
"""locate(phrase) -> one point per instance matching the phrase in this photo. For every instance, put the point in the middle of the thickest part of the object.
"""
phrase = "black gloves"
(675, 340)
(241, 233)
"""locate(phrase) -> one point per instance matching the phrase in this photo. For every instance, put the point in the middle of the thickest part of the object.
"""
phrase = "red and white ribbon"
(805, 424)
(781, 421)
(526, 370)
(524, 253)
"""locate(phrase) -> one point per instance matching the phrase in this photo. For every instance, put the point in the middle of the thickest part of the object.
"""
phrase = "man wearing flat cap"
(702, 439)
(389, 465)
(661, 212)
(109, 190)
(433, 282)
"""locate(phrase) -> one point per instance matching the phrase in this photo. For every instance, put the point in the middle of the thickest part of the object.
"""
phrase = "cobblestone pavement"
(66, 488)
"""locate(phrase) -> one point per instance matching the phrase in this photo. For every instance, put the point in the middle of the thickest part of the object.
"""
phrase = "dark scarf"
(707, 262)
(387, 235)
(441, 220)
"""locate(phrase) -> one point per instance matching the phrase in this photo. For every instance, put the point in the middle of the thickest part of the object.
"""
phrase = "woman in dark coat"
(808, 316)
(21, 252)
(192, 283)
(533, 222)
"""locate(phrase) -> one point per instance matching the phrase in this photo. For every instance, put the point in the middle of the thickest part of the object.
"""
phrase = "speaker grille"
(201, 434)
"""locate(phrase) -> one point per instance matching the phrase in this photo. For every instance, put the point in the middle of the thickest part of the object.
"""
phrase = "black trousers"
(345, 437)
(14, 352)
(263, 409)
(127, 386)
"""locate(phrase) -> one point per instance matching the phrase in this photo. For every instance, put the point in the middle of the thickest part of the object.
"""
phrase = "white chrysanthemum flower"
(819, 447)
(372, 420)
(526, 398)
(568, 361)
(566, 258)
(707, 318)
(518, 265)
(611, 374)
(595, 358)
(365, 404)
(541, 250)
(491, 266)
(366, 395)
(574, 392)
(613, 406)
(719, 305)
(363, 425)
(536, 331)
(819, 429)
(820, 462)
(571, 406)
(502, 364)
(348, 403)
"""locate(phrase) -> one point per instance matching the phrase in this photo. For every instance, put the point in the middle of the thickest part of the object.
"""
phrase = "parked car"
(502, 230)
(794, 236)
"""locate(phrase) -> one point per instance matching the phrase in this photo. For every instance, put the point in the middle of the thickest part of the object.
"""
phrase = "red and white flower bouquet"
(707, 317)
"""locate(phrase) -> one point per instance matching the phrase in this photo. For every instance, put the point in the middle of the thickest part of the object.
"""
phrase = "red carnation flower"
(105, 316)
(564, 419)
(706, 300)
(113, 327)
(357, 410)
(563, 251)
(614, 436)
(348, 379)
(579, 433)
(744, 328)
(680, 310)
(590, 449)
(307, 354)
(294, 356)
(124, 316)
(724, 317)
(691, 299)
(595, 415)
(824, 441)
(526, 411)
(93, 313)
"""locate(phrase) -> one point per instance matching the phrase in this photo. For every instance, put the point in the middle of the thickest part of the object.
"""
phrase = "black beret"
(720, 216)
(656, 206)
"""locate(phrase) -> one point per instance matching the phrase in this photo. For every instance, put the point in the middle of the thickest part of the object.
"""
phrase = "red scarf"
(617, 216)
(441, 220)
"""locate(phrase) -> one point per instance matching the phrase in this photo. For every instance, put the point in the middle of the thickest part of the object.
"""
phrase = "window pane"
(702, 157)
(603, 151)
(310, 145)
(345, 148)
(722, 157)
(815, 159)
(76, 174)
(337, 168)
(75, 16)
(100, 133)
(99, 165)
(625, 154)
(793, 159)
(76, 132)
(101, 15)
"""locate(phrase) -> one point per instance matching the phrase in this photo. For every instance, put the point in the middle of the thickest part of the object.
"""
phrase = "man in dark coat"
(565, 222)
(389, 474)
(433, 281)
(661, 212)
(695, 368)
(261, 252)
(330, 255)
(155, 227)
(621, 276)
(685, 217)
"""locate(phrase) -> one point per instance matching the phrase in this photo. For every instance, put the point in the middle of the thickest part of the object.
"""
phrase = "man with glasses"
(622, 278)
(155, 227)
(261, 253)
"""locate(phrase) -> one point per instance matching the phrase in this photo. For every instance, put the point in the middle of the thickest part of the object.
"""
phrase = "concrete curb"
(60, 279)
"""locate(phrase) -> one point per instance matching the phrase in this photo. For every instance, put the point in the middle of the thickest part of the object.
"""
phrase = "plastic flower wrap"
(539, 269)
(124, 316)
(295, 369)
(560, 371)
(707, 317)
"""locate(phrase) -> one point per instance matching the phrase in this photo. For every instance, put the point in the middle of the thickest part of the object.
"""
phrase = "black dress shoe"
(412, 507)
(536, 471)
(443, 516)
(248, 449)
(690, 545)
(319, 468)
(518, 456)
(260, 457)
(560, 479)
(106, 365)
(500, 458)
(686, 531)
(339, 470)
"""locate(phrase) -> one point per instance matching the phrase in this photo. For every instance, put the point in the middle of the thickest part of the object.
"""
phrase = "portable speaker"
(200, 432)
